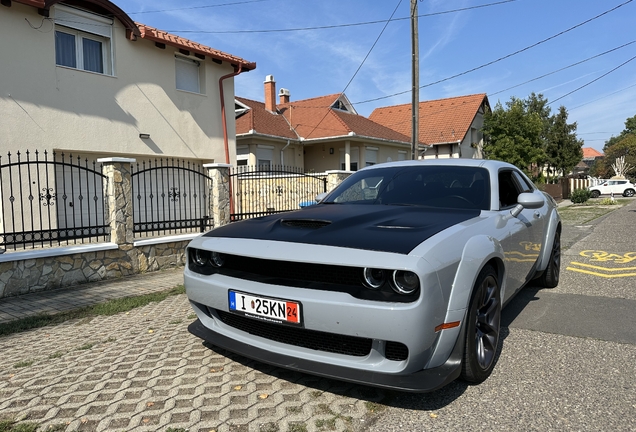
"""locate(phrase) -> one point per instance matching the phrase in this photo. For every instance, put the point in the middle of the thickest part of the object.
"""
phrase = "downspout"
(282, 160)
(223, 117)
(224, 120)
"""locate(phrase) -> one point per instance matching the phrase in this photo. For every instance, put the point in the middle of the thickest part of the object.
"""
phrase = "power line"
(602, 97)
(196, 7)
(361, 64)
(593, 81)
(340, 25)
(501, 58)
(563, 68)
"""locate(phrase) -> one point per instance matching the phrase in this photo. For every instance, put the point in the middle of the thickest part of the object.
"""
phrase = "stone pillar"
(118, 198)
(335, 177)
(219, 192)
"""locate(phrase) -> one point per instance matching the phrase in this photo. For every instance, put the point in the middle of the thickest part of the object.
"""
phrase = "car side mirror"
(527, 200)
(321, 197)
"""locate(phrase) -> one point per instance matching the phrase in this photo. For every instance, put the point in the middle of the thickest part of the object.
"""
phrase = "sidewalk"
(77, 296)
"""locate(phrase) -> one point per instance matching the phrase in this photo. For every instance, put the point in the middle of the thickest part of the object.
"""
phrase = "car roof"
(492, 165)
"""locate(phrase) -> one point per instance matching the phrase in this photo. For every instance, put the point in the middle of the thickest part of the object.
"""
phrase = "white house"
(83, 77)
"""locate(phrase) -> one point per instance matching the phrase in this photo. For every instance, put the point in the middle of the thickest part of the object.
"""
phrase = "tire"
(550, 277)
(628, 192)
(595, 194)
(483, 321)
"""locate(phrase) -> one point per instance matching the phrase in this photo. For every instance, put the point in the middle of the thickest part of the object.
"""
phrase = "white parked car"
(617, 187)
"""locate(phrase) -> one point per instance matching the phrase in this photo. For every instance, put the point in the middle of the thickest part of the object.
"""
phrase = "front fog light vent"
(405, 282)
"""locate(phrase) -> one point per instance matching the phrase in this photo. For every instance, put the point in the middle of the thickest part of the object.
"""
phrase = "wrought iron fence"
(170, 197)
(262, 190)
(47, 202)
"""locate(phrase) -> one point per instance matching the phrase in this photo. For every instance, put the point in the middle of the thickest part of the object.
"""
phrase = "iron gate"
(263, 190)
(170, 197)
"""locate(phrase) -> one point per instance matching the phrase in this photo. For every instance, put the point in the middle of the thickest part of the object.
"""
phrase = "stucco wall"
(44, 105)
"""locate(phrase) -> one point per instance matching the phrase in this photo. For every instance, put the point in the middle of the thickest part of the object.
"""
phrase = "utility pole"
(415, 74)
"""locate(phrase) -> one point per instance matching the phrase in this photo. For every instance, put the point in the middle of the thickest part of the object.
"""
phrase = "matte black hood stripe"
(397, 229)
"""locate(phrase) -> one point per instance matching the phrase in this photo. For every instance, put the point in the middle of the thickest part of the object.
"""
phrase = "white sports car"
(395, 279)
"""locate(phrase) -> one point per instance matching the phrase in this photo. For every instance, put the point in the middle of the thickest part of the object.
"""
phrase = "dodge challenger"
(395, 279)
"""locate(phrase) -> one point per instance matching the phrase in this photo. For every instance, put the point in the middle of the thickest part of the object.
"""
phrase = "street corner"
(604, 264)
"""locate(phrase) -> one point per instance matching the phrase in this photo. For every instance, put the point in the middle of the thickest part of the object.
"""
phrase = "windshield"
(433, 186)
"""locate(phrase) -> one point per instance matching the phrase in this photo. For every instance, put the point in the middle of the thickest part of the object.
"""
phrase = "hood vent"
(304, 223)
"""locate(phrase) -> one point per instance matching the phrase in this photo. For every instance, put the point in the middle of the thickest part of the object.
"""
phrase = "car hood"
(397, 229)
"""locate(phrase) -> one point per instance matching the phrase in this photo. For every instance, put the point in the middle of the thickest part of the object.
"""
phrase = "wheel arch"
(478, 252)
(553, 226)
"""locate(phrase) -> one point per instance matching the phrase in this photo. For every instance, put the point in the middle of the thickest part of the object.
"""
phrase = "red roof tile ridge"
(303, 101)
(472, 96)
(158, 35)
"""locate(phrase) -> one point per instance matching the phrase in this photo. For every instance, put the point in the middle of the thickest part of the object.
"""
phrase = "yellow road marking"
(607, 276)
(603, 268)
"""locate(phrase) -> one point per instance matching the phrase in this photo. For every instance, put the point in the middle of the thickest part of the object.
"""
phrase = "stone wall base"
(23, 276)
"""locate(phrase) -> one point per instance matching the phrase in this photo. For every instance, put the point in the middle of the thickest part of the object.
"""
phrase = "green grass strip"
(110, 307)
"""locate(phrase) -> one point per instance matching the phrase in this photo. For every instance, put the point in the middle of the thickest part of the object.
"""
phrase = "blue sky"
(317, 62)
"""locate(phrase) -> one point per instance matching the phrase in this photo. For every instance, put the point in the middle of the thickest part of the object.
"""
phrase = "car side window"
(525, 186)
(509, 190)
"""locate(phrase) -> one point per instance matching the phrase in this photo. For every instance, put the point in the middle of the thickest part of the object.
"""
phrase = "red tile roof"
(161, 36)
(315, 119)
(261, 121)
(441, 121)
(590, 153)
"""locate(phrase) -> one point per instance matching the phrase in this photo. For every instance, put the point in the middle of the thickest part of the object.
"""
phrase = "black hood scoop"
(305, 223)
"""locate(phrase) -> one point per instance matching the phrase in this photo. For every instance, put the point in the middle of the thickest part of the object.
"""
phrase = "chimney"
(270, 93)
(283, 96)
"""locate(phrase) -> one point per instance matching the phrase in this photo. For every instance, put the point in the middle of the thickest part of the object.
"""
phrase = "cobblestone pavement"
(143, 371)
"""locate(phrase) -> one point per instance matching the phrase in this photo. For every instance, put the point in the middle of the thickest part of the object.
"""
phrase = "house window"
(371, 156)
(264, 157)
(401, 155)
(82, 40)
(353, 159)
(187, 73)
(242, 155)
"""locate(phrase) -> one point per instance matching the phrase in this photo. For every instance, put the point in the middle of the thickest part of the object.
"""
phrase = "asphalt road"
(567, 363)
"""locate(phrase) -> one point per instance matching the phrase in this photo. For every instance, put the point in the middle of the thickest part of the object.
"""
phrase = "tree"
(630, 128)
(625, 147)
(563, 148)
(514, 135)
(622, 145)
(526, 135)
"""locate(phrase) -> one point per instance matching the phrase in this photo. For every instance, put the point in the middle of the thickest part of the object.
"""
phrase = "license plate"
(265, 308)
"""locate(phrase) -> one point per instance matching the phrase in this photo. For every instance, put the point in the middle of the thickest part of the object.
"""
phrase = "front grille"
(312, 339)
(297, 271)
(396, 351)
(325, 277)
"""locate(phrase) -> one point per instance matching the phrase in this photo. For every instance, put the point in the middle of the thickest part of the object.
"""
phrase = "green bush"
(580, 196)
(608, 201)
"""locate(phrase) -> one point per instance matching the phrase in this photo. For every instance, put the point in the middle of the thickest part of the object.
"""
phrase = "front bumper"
(425, 380)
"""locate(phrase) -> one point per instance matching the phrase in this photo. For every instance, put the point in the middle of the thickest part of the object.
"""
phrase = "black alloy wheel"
(550, 277)
(483, 327)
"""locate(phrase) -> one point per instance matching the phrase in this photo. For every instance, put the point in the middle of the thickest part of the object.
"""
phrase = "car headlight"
(200, 257)
(374, 278)
(405, 282)
(217, 259)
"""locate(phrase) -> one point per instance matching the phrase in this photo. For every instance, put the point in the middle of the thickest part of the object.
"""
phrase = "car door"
(522, 242)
